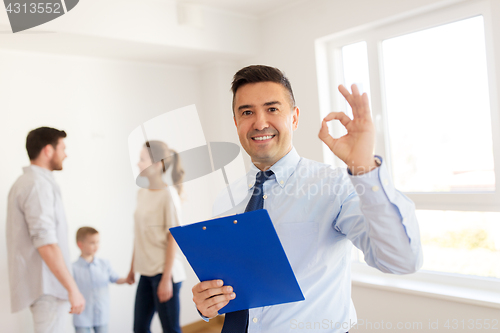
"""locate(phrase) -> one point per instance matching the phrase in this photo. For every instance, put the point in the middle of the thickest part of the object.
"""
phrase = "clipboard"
(245, 252)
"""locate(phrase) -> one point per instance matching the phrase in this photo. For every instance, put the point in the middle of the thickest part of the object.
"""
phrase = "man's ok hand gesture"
(356, 147)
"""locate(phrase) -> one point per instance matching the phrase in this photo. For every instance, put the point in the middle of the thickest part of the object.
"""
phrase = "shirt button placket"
(255, 325)
(92, 281)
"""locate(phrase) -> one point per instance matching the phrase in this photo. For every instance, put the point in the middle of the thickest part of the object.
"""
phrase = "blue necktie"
(237, 321)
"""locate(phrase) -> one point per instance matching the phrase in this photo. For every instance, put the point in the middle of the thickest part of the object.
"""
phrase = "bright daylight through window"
(437, 105)
(438, 109)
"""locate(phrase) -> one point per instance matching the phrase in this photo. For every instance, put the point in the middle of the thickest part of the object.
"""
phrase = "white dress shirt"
(318, 213)
(35, 217)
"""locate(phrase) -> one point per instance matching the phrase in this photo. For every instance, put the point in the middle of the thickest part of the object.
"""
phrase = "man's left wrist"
(360, 170)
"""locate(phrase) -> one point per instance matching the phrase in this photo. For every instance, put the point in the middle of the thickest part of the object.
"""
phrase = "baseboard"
(201, 324)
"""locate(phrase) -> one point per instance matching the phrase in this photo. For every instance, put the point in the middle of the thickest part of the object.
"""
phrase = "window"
(436, 80)
(355, 69)
(461, 242)
(431, 83)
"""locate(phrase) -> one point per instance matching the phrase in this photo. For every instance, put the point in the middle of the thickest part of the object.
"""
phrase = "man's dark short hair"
(38, 138)
(261, 73)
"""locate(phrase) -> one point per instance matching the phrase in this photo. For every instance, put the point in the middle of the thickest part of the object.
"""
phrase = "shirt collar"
(40, 171)
(282, 169)
(84, 262)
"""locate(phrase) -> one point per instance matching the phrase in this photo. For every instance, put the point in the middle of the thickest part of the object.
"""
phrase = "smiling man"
(265, 136)
(318, 211)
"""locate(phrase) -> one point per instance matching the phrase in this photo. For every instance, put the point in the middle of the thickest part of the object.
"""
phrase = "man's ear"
(295, 118)
(235, 123)
(48, 151)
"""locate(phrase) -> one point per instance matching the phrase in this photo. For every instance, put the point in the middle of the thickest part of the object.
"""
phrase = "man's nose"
(261, 121)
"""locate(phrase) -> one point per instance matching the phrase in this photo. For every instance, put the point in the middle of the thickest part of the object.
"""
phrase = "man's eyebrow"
(249, 106)
(246, 106)
(272, 103)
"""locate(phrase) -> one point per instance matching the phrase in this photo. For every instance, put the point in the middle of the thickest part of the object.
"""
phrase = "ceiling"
(81, 45)
(246, 7)
(163, 49)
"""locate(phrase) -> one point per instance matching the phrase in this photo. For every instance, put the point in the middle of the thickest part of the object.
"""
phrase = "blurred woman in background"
(155, 255)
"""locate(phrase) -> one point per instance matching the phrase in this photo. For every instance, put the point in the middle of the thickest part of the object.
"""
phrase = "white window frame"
(329, 63)
(467, 289)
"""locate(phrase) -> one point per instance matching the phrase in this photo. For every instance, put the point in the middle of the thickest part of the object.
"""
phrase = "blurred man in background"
(37, 237)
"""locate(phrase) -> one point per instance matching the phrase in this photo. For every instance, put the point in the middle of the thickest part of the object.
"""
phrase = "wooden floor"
(213, 326)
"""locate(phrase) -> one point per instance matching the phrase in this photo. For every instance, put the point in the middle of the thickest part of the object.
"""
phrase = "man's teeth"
(260, 138)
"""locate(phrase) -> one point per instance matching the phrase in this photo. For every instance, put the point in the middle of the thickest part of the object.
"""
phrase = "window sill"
(451, 287)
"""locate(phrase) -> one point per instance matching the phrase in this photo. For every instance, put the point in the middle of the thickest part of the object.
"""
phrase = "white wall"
(216, 107)
(97, 102)
(288, 38)
(379, 310)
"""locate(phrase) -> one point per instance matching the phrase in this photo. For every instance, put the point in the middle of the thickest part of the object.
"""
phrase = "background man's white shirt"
(35, 217)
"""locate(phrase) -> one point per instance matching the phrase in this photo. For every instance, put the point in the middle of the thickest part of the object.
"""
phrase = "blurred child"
(92, 275)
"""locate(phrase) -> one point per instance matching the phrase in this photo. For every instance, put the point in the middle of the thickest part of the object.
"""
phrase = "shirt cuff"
(205, 318)
(375, 186)
(45, 238)
(378, 161)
